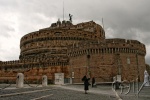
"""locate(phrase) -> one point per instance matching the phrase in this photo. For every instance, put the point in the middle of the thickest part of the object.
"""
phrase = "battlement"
(126, 43)
(34, 61)
(109, 46)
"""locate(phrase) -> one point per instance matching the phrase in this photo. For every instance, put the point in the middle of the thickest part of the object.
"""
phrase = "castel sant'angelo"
(75, 50)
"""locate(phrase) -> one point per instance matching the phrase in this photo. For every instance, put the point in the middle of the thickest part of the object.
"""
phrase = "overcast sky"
(128, 19)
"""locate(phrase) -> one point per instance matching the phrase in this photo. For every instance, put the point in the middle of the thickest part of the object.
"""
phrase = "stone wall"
(33, 69)
(116, 56)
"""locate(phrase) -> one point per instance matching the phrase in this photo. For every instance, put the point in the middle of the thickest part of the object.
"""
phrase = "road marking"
(42, 97)
(21, 93)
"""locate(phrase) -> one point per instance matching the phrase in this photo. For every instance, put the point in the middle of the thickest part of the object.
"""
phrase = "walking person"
(93, 81)
(86, 83)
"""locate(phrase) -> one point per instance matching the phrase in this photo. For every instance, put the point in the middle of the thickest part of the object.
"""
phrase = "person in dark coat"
(93, 81)
(86, 83)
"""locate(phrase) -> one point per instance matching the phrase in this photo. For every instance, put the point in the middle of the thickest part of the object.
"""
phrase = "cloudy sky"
(129, 19)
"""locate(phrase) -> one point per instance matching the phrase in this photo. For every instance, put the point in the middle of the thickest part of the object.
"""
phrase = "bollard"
(44, 80)
(20, 80)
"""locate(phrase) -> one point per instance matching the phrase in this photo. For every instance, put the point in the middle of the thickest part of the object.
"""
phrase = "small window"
(128, 60)
(57, 33)
(72, 74)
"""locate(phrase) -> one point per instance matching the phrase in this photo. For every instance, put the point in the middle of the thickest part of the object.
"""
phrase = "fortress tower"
(53, 41)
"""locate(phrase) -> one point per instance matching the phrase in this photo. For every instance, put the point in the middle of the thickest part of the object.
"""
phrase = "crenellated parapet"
(127, 45)
(109, 46)
(35, 62)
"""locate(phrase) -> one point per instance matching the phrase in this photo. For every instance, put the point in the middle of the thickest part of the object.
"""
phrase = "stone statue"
(70, 17)
(146, 79)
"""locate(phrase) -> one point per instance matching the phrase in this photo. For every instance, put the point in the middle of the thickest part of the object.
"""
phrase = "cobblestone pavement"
(70, 92)
(51, 93)
(114, 95)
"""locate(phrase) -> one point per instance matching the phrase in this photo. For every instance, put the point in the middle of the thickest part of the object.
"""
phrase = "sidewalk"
(107, 90)
(103, 89)
(13, 86)
(100, 89)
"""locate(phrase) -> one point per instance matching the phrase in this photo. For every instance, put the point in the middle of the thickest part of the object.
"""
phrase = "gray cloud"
(5, 30)
(129, 19)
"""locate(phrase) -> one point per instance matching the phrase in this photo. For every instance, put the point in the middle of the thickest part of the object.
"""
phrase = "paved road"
(69, 92)
(50, 93)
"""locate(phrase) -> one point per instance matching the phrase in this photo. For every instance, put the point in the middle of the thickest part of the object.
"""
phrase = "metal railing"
(127, 85)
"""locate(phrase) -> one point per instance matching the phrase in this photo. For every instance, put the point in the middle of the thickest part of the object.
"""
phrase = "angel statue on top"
(70, 17)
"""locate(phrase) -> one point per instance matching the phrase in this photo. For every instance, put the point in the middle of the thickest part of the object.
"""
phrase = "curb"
(13, 94)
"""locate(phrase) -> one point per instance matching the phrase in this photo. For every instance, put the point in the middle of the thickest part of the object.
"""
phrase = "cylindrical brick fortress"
(75, 50)
(54, 40)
